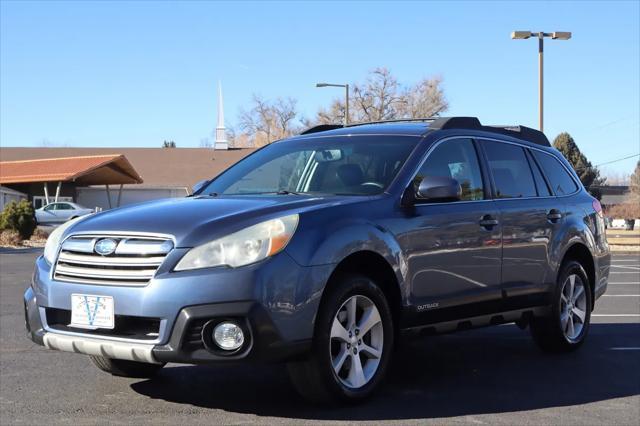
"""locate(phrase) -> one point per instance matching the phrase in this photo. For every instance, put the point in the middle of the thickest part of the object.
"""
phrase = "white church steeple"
(221, 137)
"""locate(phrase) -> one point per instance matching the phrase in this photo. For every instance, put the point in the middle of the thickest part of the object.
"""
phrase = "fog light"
(228, 336)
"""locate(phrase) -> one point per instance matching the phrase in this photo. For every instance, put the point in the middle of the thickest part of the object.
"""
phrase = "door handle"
(554, 215)
(488, 221)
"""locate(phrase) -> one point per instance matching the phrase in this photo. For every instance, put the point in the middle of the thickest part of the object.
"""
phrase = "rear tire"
(566, 328)
(124, 368)
(352, 344)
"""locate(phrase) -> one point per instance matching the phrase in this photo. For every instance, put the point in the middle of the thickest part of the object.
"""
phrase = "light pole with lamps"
(346, 98)
(558, 35)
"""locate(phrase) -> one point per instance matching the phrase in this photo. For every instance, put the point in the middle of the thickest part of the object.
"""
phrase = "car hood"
(196, 220)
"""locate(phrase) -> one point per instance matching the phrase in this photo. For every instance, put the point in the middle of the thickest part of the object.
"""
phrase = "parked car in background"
(60, 212)
(319, 250)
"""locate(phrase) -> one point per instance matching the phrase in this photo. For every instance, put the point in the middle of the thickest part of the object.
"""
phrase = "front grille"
(134, 261)
(125, 326)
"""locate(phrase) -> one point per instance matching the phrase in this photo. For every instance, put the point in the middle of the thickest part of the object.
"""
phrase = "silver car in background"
(60, 212)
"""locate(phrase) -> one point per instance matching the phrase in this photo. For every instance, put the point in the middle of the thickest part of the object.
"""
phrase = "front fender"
(338, 240)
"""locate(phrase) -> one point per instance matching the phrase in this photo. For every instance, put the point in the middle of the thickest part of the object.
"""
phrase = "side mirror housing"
(438, 188)
(199, 185)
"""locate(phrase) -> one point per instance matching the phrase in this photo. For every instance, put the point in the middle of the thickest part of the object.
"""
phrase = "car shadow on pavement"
(484, 371)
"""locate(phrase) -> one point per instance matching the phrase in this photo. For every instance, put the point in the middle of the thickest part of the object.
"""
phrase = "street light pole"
(557, 35)
(346, 105)
(346, 98)
(541, 81)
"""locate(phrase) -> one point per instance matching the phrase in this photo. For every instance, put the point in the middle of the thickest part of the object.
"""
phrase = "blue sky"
(137, 73)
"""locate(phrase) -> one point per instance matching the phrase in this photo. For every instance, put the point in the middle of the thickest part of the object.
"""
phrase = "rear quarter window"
(559, 178)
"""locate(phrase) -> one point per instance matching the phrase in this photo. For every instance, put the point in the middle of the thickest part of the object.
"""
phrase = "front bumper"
(275, 302)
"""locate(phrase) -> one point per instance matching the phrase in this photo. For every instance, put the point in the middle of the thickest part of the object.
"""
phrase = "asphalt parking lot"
(493, 375)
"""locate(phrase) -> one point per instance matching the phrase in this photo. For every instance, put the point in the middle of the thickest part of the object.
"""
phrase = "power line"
(608, 162)
(619, 159)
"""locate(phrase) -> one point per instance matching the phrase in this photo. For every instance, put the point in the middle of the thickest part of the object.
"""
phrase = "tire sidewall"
(571, 267)
(351, 285)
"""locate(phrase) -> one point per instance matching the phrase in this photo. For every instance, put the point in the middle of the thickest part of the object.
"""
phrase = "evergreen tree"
(589, 174)
(634, 185)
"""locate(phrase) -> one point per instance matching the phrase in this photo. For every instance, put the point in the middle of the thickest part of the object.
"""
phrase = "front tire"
(124, 368)
(566, 328)
(352, 344)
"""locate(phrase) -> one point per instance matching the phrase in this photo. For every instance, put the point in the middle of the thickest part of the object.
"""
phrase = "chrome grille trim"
(134, 262)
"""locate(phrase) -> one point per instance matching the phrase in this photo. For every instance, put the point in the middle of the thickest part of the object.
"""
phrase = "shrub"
(19, 217)
(627, 210)
(39, 235)
(9, 237)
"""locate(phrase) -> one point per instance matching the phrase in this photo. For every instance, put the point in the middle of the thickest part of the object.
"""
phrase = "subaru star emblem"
(105, 246)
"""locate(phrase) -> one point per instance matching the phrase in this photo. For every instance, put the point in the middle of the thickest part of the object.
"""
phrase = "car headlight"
(244, 247)
(53, 241)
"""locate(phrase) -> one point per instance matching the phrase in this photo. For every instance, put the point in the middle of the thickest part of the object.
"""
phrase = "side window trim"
(491, 185)
(483, 159)
(487, 179)
(534, 163)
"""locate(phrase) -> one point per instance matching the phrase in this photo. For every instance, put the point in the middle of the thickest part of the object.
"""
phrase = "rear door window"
(561, 181)
(510, 169)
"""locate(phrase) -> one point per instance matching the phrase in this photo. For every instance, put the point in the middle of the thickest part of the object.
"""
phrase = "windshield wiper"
(286, 192)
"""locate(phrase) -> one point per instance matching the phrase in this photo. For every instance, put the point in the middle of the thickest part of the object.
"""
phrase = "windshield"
(362, 165)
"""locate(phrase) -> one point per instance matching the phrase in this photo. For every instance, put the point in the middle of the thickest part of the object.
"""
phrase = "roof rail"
(446, 123)
(321, 128)
(395, 120)
(521, 132)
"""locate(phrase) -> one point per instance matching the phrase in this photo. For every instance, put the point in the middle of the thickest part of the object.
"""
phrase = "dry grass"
(10, 238)
(39, 235)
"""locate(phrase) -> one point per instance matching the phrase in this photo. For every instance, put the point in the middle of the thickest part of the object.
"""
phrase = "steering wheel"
(376, 184)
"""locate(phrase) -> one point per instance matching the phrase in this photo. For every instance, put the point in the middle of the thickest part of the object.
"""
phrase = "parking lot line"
(621, 295)
(625, 272)
(615, 315)
(635, 268)
(626, 349)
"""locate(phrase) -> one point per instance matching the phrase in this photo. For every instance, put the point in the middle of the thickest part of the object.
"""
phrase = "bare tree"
(268, 121)
(425, 99)
(335, 114)
(258, 121)
(379, 98)
(382, 97)
(284, 112)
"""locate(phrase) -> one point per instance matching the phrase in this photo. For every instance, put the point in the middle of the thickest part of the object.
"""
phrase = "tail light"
(597, 207)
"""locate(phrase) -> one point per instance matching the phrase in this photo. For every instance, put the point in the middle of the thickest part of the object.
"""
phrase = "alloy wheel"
(356, 341)
(573, 307)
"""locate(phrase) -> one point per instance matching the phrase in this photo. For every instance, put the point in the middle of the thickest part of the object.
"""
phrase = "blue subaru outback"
(320, 249)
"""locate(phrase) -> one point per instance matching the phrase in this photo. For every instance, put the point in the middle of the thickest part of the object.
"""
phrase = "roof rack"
(447, 123)
(520, 132)
(325, 127)
(321, 128)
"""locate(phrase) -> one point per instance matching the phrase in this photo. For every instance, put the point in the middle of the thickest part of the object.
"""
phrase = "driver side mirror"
(199, 185)
(438, 188)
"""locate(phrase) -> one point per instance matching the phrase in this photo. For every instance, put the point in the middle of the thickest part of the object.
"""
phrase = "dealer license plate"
(91, 312)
